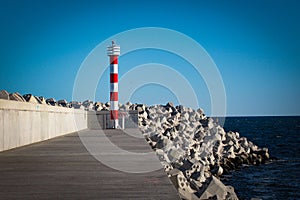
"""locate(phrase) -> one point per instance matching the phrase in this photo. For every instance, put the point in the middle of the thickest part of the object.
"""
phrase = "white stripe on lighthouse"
(113, 52)
(114, 87)
(114, 105)
(113, 68)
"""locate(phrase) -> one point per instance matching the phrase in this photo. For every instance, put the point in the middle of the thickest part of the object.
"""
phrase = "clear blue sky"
(255, 44)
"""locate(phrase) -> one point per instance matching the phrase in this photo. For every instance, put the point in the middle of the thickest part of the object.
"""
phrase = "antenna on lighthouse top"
(114, 49)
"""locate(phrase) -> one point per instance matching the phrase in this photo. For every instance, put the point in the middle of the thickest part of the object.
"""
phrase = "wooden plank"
(62, 168)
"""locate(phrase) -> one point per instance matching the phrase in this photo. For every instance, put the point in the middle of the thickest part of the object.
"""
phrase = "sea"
(279, 179)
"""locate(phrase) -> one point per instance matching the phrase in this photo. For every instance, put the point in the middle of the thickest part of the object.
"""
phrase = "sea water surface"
(279, 179)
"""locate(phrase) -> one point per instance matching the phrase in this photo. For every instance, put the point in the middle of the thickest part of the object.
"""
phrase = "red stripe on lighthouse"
(113, 59)
(114, 114)
(113, 52)
(113, 96)
(113, 78)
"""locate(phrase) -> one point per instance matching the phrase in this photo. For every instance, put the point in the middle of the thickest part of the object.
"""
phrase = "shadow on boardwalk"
(62, 168)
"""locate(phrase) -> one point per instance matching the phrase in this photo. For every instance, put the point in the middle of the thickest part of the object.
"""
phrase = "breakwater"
(26, 119)
(194, 150)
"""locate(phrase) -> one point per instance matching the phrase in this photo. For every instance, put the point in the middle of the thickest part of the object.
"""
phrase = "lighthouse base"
(116, 124)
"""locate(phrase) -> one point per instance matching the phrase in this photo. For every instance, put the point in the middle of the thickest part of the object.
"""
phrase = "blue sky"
(255, 45)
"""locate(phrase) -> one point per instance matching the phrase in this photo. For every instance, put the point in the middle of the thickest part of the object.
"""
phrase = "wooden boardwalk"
(62, 168)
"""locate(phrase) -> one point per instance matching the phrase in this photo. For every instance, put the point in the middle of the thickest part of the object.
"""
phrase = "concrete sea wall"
(23, 123)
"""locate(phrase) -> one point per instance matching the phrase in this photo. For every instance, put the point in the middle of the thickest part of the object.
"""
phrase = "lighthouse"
(113, 52)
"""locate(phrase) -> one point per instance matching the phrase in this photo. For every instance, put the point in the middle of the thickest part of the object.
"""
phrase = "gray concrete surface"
(62, 168)
(23, 123)
(101, 119)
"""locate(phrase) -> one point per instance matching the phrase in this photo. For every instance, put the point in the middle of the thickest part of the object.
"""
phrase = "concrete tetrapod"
(195, 150)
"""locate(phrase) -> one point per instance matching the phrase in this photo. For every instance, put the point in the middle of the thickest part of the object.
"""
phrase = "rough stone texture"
(194, 149)
(30, 98)
(38, 100)
(75, 104)
(63, 103)
(98, 106)
(16, 97)
(216, 189)
(51, 101)
(4, 95)
(43, 100)
(88, 105)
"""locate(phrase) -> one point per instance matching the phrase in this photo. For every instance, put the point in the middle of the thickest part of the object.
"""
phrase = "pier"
(62, 168)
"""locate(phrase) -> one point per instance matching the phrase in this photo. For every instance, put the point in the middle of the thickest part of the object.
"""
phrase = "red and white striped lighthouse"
(113, 52)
